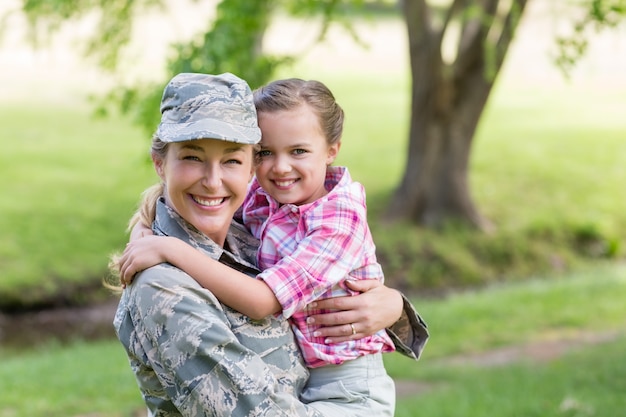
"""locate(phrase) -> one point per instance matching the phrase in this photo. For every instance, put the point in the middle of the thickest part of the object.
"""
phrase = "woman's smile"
(208, 201)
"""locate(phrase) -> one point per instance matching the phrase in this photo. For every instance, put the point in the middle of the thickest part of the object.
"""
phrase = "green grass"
(544, 308)
(95, 379)
(61, 381)
(561, 158)
(586, 382)
(70, 184)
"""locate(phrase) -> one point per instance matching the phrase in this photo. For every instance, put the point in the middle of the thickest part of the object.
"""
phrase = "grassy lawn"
(587, 380)
(526, 341)
(70, 184)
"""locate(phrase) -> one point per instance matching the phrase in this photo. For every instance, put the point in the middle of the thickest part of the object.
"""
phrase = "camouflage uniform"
(193, 356)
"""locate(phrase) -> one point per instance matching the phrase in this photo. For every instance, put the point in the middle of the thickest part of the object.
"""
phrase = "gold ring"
(353, 329)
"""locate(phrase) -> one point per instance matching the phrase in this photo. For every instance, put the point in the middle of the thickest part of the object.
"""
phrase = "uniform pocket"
(335, 392)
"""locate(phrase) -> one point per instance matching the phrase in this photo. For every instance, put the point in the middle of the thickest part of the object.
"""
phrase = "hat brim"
(208, 129)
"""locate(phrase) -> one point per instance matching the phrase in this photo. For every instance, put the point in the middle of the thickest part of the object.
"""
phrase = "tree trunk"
(447, 101)
(435, 185)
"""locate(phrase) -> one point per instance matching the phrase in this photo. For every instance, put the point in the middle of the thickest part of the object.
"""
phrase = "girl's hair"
(291, 93)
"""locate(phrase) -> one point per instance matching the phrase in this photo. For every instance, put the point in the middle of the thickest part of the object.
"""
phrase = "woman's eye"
(234, 161)
(191, 158)
(299, 151)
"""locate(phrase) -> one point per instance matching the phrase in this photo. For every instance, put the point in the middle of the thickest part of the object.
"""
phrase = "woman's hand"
(377, 308)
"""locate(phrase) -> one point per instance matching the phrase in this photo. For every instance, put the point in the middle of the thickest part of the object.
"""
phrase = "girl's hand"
(377, 308)
(141, 253)
(139, 230)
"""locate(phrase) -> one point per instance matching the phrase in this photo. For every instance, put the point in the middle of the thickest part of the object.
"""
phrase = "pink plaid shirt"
(308, 252)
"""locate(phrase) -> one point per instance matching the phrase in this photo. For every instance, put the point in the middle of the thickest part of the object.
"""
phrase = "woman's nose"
(212, 177)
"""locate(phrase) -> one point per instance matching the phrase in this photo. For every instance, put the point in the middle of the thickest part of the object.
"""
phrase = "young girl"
(310, 218)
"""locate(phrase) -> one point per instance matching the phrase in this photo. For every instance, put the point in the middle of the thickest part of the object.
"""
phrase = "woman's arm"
(239, 291)
(378, 307)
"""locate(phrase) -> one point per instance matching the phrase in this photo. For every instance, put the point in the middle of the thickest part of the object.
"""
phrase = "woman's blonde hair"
(145, 214)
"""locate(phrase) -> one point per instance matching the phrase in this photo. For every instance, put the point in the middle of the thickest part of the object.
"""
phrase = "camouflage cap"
(203, 106)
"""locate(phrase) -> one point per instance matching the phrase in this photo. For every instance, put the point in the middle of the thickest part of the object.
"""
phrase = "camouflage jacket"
(193, 356)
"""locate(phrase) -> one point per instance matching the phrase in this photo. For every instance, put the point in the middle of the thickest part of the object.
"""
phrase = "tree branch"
(456, 7)
(424, 44)
(476, 25)
(419, 22)
(511, 22)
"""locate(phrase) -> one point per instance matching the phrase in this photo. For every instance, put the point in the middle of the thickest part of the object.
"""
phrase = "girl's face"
(206, 181)
(294, 155)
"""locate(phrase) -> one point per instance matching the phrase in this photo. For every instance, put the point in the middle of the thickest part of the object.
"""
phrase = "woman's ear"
(158, 166)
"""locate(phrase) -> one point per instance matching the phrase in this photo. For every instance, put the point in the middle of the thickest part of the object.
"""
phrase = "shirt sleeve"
(205, 370)
(332, 246)
(410, 333)
(255, 209)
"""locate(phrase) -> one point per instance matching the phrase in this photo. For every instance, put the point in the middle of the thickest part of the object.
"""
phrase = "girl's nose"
(281, 165)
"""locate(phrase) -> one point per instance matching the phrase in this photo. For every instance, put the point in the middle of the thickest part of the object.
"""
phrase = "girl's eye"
(263, 153)
(234, 161)
(299, 151)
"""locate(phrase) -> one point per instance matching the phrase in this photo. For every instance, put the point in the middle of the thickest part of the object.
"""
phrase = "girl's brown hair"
(291, 93)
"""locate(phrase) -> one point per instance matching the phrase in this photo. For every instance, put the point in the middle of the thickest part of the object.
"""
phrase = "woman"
(191, 355)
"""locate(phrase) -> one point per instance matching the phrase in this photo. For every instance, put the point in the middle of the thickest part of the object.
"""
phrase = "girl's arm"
(237, 290)
(139, 230)
(369, 312)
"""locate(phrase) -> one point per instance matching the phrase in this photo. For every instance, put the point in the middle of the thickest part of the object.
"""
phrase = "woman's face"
(206, 181)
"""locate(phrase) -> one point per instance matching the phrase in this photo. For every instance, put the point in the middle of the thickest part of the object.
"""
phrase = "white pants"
(360, 387)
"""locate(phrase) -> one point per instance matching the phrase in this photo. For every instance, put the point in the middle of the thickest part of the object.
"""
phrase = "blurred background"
(519, 273)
